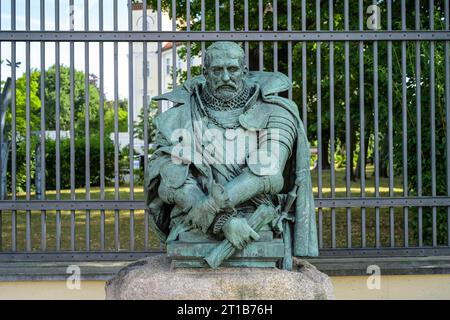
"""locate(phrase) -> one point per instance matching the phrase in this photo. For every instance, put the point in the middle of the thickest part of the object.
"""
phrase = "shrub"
(80, 162)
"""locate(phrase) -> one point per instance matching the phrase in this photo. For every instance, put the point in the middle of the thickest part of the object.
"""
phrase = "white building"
(152, 60)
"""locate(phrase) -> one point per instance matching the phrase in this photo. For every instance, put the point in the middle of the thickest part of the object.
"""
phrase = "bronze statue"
(231, 161)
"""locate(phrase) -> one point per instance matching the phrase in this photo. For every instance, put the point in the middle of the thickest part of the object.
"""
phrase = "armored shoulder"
(281, 115)
(276, 144)
(281, 126)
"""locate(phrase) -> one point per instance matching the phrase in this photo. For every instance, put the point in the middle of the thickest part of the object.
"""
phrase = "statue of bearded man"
(230, 148)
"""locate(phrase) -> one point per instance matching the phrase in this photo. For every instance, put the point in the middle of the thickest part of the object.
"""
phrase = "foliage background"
(411, 78)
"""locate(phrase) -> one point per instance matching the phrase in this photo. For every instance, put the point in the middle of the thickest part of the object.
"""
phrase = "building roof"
(169, 45)
(139, 6)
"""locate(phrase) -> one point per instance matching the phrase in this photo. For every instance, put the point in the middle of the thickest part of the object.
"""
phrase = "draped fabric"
(305, 242)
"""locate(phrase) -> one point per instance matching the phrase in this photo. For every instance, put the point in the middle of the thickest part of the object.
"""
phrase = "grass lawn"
(124, 231)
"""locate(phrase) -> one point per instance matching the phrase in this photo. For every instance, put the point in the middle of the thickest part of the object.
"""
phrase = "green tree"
(21, 100)
(79, 100)
(354, 76)
(21, 125)
(110, 118)
(440, 126)
(80, 163)
(139, 126)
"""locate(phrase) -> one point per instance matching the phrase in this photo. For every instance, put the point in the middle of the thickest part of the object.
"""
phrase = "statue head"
(225, 70)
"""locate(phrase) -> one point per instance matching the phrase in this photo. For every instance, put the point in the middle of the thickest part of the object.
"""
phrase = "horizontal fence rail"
(140, 205)
(371, 79)
(267, 36)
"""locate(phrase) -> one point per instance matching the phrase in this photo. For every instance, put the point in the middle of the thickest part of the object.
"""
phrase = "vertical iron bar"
(58, 127)
(332, 132)
(376, 140)
(432, 125)
(131, 121)
(231, 14)
(362, 119)
(347, 124)
(28, 128)
(160, 55)
(261, 28)
(14, 131)
(174, 46)
(404, 132)
(203, 25)
(174, 57)
(159, 13)
(87, 127)
(246, 28)
(72, 127)
(275, 29)
(116, 127)
(447, 108)
(102, 129)
(319, 114)
(146, 106)
(42, 147)
(289, 46)
(188, 48)
(419, 120)
(304, 80)
(217, 13)
(390, 128)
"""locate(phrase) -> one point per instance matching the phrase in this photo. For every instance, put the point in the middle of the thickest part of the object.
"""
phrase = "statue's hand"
(239, 233)
(220, 197)
(202, 214)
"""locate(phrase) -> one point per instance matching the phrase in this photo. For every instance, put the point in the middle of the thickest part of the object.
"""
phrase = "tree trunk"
(384, 156)
(352, 149)
(325, 151)
(358, 165)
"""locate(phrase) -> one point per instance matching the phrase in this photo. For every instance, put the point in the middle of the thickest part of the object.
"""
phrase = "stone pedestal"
(154, 279)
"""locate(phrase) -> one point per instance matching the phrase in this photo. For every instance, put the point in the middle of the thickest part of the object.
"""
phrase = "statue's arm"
(248, 185)
(244, 187)
(279, 137)
(185, 196)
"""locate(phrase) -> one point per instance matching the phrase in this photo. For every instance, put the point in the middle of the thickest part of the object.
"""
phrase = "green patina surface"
(229, 263)
(263, 249)
(262, 254)
(231, 162)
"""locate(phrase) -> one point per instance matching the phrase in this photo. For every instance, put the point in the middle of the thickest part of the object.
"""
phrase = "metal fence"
(389, 217)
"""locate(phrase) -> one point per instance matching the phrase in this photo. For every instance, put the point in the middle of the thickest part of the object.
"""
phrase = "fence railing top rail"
(157, 36)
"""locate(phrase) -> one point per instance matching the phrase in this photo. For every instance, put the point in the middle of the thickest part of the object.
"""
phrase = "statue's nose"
(226, 76)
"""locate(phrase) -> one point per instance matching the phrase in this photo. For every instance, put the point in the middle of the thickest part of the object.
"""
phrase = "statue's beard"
(227, 92)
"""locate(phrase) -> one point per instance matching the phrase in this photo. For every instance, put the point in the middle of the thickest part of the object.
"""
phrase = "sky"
(93, 9)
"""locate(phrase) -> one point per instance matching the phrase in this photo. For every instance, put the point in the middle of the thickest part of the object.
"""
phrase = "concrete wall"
(393, 287)
(51, 290)
(353, 287)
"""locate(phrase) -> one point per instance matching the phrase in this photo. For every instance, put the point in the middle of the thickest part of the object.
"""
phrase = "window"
(140, 23)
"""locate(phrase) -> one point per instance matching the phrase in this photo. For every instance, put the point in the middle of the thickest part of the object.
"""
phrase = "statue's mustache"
(227, 86)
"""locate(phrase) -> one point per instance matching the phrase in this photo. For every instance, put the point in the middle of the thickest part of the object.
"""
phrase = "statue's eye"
(233, 69)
